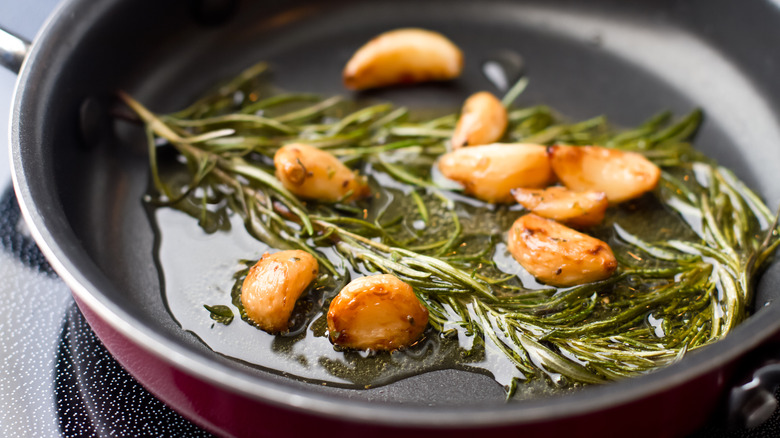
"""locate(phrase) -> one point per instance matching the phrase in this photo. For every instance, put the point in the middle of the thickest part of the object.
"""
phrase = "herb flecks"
(220, 313)
(696, 281)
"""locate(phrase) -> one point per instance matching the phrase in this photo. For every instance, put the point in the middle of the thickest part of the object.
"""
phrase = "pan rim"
(759, 326)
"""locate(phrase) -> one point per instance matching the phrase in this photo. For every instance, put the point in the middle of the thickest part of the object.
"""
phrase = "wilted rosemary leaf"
(220, 313)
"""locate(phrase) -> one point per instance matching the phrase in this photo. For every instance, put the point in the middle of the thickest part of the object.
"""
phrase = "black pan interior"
(627, 60)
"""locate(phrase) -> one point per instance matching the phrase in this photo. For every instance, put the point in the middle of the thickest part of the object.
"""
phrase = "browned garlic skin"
(311, 173)
(621, 175)
(558, 255)
(378, 312)
(490, 172)
(403, 56)
(274, 284)
(483, 120)
(578, 209)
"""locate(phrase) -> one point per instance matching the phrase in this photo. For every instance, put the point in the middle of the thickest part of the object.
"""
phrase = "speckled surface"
(56, 378)
(96, 397)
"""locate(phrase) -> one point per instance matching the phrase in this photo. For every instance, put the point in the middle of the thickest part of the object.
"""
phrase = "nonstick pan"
(80, 176)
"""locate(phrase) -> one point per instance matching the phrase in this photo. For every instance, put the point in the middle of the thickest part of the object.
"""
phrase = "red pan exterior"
(672, 413)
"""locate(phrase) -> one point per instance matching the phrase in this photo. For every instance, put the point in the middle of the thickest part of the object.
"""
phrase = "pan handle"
(754, 402)
(13, 49)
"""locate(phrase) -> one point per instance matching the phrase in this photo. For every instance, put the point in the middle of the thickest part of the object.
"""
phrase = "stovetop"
(56, 378)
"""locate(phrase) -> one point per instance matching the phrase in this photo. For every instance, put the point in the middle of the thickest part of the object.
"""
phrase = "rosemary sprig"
(673, 293)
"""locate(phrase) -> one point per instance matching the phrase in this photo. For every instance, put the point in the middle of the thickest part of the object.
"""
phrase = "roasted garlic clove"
(579, 209)
(621, 175)
(312, 173)
(558, 255)
(490, 172)
(403, 56)
(483, 120)
(274, 284)
(379, 312)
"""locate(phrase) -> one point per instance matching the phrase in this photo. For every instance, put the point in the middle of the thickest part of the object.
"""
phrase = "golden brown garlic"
(621, 175)
(274, 284)
(483, 120)
(490, 172)
(579, 209)
(403, 56)
(379, 312)
(558, 255)
(312, 173)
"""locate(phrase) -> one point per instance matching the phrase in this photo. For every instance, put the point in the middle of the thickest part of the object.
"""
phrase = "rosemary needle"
(696, 279)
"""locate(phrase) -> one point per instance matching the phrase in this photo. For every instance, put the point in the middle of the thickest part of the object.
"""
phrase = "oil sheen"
(199, 268)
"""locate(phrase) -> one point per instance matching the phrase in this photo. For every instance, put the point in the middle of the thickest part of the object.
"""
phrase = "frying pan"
(80, 176)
